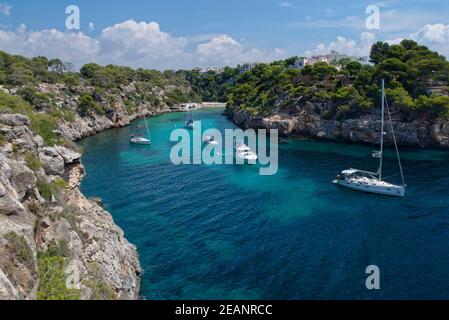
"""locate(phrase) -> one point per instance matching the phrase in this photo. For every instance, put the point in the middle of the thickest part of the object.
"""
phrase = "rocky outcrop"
(366, 129)
(117, 114)
(42, 208)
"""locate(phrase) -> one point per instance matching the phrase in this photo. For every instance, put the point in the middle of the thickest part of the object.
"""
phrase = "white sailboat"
(369, 181)
(140, 139)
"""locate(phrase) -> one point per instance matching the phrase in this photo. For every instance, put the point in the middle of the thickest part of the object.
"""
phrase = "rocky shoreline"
(364, 130)
(42, 208)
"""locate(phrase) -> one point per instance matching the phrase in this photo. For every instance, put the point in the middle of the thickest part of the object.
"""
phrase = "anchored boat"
(139, 138)
(243, 152)
(372, 182)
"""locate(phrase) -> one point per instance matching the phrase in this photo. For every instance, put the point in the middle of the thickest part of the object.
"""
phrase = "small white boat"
(209, 140)
(369, 181)
(243, 152)
(139, 139)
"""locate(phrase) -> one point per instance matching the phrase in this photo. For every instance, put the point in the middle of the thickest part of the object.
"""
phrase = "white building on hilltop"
(210, 69)
(248, 66)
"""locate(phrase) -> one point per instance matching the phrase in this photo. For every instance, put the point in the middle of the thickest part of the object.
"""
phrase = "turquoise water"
(224, 232)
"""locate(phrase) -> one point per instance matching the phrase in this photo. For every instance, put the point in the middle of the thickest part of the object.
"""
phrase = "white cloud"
(141, 44)
(91, 26)
(136, 44)
(226, 50)
(347, 46)
(5, 9)
(69, 46)
(433, 33)
(435, 36)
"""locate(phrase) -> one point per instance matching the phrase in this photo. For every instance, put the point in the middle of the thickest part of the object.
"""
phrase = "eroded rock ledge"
(307, 123)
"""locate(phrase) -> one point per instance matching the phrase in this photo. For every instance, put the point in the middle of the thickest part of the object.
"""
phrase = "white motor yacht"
(243, 152)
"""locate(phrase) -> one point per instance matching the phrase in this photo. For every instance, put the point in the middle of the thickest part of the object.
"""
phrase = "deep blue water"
(224, 232)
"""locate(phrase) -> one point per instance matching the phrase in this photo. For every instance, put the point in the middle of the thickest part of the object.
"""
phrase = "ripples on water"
(224, 232)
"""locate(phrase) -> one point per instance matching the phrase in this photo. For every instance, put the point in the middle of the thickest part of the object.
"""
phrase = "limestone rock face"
(307, 123)
(14, 120)
(52, 161)
(23, 179)
(67, 155)
(106, 264)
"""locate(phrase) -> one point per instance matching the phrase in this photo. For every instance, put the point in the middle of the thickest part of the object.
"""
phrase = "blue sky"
(185, 34)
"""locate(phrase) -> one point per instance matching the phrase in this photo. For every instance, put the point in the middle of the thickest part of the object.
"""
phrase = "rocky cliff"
(55, 243)
(307, 122)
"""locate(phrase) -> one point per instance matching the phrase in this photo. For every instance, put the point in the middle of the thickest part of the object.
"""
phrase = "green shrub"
(87, 104)
(19, 246)
(71, 80)
(52, 278)
(44, 125)
(35, 98)
(32, 161)
(434, 106)
(60, 249)
(58, 185)
(14, 104)
(44, 189)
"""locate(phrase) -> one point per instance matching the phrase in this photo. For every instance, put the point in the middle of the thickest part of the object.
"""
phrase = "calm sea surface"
(225, 232)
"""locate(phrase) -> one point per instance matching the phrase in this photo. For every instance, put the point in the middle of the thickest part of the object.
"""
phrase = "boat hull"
(146, 143)
(394, 191)
(246, 160)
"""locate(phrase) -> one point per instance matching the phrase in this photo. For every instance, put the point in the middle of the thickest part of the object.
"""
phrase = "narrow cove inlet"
(226, 232)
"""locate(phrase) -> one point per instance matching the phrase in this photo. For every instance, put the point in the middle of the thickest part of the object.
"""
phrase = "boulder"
(9, 205)
(52, 161)
(22, 179)
(69, 156)
(39, 141)
(14, 120)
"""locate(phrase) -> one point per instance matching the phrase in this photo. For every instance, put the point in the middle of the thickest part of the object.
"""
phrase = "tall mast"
(382, 130)
(146, 125)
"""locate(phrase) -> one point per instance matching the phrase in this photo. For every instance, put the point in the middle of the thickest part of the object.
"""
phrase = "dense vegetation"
(97, 89)
(212, 86)
(410, 71)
